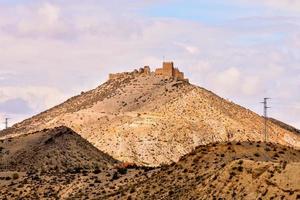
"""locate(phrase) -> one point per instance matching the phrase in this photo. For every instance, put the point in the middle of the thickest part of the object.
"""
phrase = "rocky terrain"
(232, 170)
(152, 120)
(246, 170)
(59, 164)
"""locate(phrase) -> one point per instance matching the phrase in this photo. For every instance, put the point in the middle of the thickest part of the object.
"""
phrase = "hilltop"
(152, 118)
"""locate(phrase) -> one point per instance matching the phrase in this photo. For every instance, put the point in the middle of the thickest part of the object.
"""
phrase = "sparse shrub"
(132, 190)
(122, 170)
(276, 156)
(240, 168)
(231, 175)
(97, 171)
(115, 176)
(267, 149)
(256, 154)
(15, 176)
(97, 181)
(240, 162)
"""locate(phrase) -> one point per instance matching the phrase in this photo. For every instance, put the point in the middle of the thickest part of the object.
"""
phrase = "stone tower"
(168, 70)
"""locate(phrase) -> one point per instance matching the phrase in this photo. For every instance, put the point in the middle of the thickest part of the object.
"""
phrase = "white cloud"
(37, 97)
(251, 86)
(228, 79)
(289, 5)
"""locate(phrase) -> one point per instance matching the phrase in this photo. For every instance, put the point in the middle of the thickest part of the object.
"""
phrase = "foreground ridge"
(232, 170)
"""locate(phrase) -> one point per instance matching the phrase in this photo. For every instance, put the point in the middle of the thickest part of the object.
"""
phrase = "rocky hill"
(236, 170)
(247, 170)
(151, 119)
(57, 149)
(58, 164)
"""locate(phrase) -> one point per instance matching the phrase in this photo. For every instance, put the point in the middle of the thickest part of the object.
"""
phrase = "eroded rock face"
(151, 120)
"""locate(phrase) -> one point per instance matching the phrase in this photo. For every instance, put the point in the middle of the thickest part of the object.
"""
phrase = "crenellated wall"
(168, 70)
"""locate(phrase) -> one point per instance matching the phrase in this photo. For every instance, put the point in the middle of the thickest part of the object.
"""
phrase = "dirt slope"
(151, 120)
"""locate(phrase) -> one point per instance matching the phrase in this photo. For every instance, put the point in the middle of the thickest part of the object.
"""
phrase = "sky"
(243, 50)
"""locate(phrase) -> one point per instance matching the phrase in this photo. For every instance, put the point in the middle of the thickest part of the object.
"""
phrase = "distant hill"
(57, 149)
(151, 120)
(285, 126)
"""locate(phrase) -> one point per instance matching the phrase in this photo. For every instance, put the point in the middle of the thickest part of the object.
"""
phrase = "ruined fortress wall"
(114, 76)
(147, 70)
(142, 71)
(178, 74)
(159, 71)
(168, 69)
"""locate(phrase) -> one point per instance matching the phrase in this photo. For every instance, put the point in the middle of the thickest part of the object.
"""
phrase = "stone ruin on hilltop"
(167, 71)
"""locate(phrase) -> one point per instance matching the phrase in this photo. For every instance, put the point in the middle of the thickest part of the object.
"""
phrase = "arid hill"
(57, 149)
(59, 164)
(150, 119)
(246, 170)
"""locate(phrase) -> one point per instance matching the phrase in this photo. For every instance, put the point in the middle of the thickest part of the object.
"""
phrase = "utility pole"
(6, 123)
(265, 103)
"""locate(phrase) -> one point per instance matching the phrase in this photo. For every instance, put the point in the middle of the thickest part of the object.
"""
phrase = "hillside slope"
(246, 170)
(58, 164)
(151, 120)
(225, 171)
(57, 149)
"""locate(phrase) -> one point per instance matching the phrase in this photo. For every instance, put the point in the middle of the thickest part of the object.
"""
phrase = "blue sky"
(212, 12)
(242, 50)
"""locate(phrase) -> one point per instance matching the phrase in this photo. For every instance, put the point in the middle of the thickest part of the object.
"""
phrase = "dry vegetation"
(65, 166)
(247, 170)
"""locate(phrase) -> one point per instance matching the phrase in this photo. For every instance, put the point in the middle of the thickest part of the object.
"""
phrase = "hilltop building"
(168, 70)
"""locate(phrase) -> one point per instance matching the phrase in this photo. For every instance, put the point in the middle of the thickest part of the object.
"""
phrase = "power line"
(265, 103)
